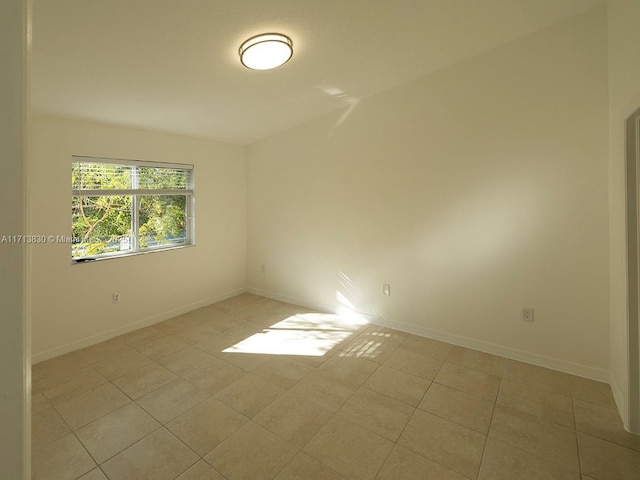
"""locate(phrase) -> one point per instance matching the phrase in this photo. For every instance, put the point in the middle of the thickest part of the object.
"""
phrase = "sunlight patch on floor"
(368, 345)
(366, 349)
(306, 334)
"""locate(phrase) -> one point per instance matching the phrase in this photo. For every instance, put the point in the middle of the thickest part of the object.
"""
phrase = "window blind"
(91, 176)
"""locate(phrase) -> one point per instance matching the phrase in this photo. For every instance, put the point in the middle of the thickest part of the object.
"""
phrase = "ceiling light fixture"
(266, 51)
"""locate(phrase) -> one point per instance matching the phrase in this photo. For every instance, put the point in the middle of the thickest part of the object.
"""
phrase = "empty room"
(357, 240)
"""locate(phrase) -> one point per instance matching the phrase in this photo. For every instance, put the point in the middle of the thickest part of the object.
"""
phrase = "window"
(124, 207)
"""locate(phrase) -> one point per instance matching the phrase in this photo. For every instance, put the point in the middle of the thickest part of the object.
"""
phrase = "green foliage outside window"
(105, 223)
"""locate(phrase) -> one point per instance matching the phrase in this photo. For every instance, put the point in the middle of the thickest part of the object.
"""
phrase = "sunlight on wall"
(346, 309)
(349, 100)
(344, 301)
(351, 300)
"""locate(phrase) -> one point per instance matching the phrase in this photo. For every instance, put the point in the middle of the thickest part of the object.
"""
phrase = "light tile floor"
(255, 389)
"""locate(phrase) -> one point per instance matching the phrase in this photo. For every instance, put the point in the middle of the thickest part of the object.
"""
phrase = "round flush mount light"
(266, 51)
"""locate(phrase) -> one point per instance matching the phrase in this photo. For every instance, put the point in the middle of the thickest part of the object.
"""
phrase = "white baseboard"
(621, 402)
(495, 349)
(293, 300)
(586, 371)
(101, 337)
(566, 366)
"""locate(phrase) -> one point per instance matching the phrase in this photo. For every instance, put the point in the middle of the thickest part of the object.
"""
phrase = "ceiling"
(172, 65)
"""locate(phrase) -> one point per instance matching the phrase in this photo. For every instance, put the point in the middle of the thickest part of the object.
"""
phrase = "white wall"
(14, 392)
(72, 304)
(624, 99)
(474, 192)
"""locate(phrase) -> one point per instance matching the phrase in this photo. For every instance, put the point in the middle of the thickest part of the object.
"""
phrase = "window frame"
(136, 193)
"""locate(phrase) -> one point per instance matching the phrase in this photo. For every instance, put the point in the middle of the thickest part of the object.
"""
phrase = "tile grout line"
(407, 424)
(251, 420)
(575, 424)
(81, 444)
(297, 449)
(334, 415)
(316, 368)
(536, 455)
(186, 446)
(493, 411)
(72, 431)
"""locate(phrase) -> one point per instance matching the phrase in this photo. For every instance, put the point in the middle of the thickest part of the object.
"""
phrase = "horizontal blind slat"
(139, 163)
(128, 191)
(112, 177)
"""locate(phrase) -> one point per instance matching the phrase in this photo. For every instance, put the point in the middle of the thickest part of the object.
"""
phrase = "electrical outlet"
(527, 314)
(386, 289)
(116, 297)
